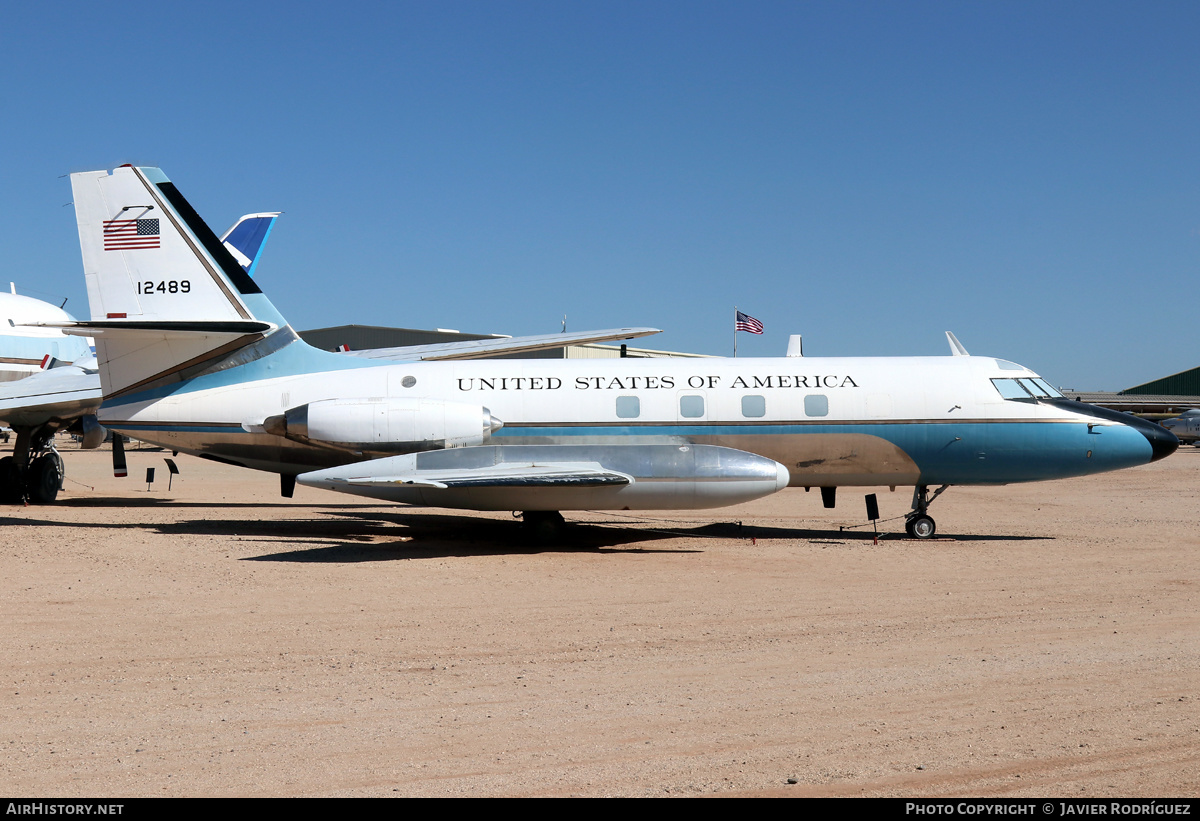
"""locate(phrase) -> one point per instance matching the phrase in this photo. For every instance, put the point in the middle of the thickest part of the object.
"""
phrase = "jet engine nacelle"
(94, 433)
(385, 425)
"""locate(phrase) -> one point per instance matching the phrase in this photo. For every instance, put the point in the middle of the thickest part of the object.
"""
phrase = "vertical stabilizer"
(148, 256)
(166, 296)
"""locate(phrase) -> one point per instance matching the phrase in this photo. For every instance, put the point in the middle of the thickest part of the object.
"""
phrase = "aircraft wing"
(63, 393)
(476, 348)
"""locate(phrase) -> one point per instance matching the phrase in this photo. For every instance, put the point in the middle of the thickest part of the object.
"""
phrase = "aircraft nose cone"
(1162, 442)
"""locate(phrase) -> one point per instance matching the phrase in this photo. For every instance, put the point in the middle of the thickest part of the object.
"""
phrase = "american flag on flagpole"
(745, 322)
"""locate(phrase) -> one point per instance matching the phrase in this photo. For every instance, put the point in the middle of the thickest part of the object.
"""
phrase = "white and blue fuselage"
(830, 421)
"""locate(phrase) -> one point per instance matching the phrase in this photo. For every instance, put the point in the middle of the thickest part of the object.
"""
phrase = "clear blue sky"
(869, 174)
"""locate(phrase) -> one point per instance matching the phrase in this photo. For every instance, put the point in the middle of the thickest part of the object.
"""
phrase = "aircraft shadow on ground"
(351, 533)
(163, 502)
(381, 536)
(858, 534)
(371, 536)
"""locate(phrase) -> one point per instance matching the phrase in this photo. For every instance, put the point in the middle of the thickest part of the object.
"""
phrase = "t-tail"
(169, 300)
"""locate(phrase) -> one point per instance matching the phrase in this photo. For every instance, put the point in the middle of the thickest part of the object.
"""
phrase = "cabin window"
(628, 407)
(691, 407)
(816, 404)
(754, 406)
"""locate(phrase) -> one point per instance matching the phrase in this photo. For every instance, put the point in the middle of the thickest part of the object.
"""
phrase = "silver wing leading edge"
(475, 348)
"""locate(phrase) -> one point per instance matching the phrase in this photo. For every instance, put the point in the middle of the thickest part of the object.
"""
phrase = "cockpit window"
(1048, 388)
(1025, 389)
(1032, 386)
(1012, 389)
(1005, 365)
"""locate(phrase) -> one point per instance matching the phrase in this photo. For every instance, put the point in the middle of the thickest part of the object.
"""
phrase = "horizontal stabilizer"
(162, 348)
(476, 348)
(103, 327)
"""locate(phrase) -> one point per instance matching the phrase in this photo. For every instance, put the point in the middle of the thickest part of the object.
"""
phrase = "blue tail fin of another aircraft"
(247, 237)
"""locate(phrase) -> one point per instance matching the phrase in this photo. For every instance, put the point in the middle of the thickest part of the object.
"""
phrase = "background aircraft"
(193, 356)
(1186, 426)
(24, 346)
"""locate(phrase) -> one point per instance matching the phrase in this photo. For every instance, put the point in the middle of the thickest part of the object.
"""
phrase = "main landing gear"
(542, 526)
(918, 523)
(34, 471)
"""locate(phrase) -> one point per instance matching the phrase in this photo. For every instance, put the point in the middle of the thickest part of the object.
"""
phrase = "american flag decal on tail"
(126, 235)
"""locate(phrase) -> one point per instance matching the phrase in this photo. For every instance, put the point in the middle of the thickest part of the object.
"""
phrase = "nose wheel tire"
(920, 527)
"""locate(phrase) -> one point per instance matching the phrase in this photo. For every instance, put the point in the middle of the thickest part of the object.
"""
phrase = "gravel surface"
(218, 640)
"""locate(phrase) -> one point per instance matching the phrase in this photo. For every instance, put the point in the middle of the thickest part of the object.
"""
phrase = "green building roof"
(1185, 383)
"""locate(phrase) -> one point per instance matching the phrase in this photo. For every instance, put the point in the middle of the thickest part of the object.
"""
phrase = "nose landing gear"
(918, 524)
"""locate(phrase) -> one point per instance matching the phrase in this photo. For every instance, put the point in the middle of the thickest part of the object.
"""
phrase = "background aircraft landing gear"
(919, 524)
(35, 470)
(11, 490)
(44, 478)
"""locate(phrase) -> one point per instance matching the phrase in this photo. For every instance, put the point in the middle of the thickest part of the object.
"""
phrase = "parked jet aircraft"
(193, 356)
(1186, 426)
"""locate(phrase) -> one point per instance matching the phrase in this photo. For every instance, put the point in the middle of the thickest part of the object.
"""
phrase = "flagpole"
(735, 332)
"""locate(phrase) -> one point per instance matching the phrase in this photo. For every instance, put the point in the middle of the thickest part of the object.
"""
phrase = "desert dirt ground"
(216, 639)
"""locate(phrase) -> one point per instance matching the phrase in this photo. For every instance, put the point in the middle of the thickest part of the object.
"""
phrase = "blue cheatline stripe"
(984, 452)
